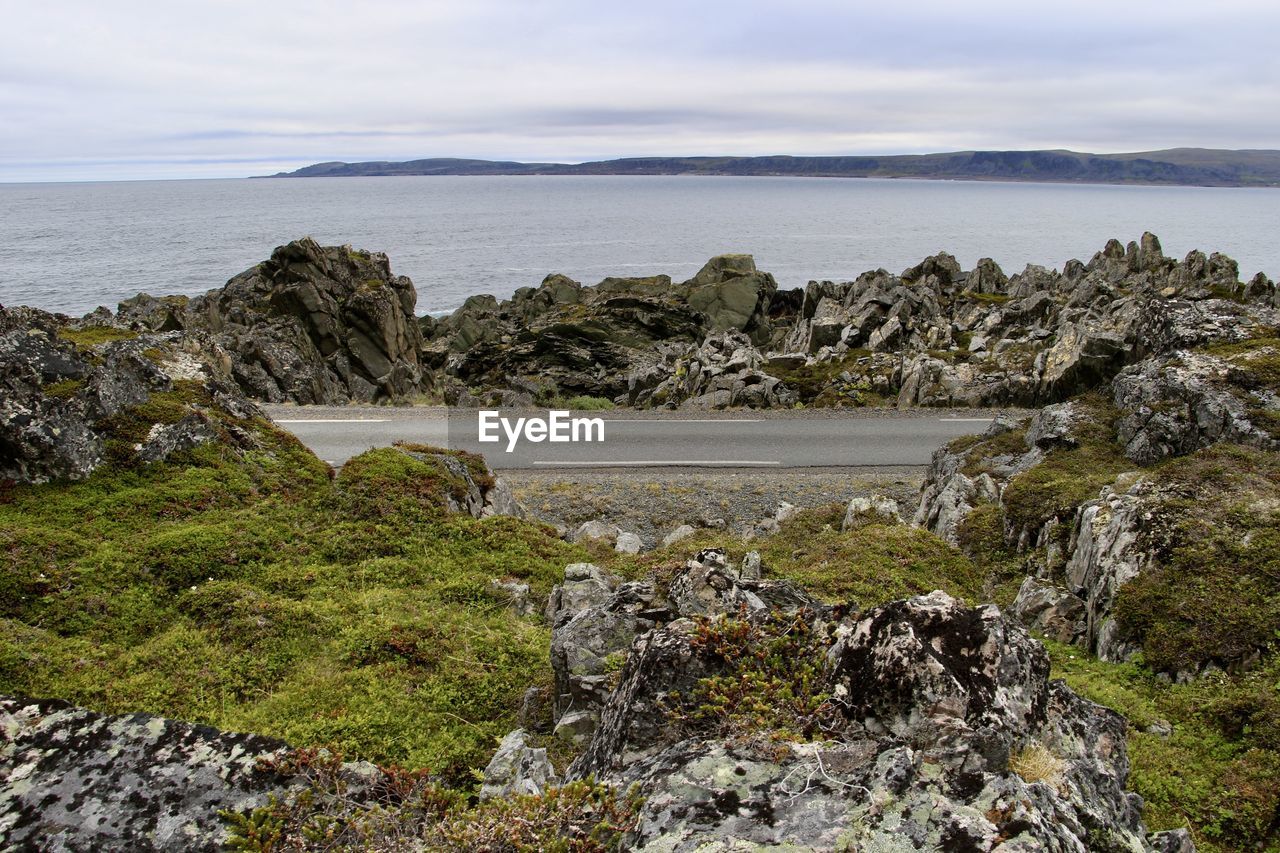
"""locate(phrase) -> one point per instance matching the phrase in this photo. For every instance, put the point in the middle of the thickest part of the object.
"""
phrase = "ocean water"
(71, 247)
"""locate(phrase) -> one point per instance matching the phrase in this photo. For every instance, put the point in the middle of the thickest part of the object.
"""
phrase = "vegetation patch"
(1204, 755)
(246, 590)
(409, 810)
(985, 298)
(1068, 477)
(582, 403)
(88, 337)
(870, 564)
(824, 384)
(1213, 593)
(64, 389)
(769, 684)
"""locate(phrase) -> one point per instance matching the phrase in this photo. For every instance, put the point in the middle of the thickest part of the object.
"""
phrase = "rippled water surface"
(72, 247)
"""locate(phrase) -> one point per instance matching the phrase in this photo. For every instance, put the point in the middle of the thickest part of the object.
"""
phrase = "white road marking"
(682, 420)
(655, 463)
(331, 420)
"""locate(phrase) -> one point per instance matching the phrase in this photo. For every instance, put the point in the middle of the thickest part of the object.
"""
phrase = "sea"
(70, 247)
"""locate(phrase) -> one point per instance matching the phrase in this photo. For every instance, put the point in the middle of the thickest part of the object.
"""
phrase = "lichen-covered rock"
(517, 768)
(1176, 405)
(1051, 611)
(938, 709)
(77, 395)
(73, 780)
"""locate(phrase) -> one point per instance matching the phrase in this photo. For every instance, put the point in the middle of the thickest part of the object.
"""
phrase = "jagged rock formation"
(319, 324)
(934, 335)
(1215, 405)
(933, 707)
(70, 404)
(588, 340)
(312, 324)
(74, 780)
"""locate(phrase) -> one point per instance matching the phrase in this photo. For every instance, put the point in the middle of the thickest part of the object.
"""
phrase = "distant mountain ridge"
(1174, 166)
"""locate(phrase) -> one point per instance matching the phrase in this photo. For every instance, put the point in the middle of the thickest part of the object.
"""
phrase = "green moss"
(981, 536)
(248, 591)
(581, 403)
(870, 564)
(1218, 770)
(980, 451)
(1068, 477)
(91, 336)
(63, 390)
(1213, 593)
(986, 298)
(820, 384)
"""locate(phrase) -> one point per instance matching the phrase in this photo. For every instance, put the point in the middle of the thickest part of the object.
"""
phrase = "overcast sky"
(126, 89)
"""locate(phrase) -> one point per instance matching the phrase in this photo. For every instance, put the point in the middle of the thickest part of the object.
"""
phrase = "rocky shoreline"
(857, 672)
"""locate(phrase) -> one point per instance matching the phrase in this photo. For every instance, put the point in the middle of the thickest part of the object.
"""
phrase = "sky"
(123, 90)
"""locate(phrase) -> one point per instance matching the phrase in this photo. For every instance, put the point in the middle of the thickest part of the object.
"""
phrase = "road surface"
(647, 439)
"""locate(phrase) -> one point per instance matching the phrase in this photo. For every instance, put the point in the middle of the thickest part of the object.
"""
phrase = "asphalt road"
(640, 440)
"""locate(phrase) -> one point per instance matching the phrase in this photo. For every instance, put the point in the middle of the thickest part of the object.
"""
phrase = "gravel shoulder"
(652, 502)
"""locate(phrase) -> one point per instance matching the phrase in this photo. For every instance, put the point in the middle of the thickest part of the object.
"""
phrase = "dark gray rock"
(316, 324)
(74, 780)
(1178, 404)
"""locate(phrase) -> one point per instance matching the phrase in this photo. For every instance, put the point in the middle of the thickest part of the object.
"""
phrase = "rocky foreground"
(837, 682)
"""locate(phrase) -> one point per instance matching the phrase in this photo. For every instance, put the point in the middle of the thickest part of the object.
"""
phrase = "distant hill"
(1175, 166)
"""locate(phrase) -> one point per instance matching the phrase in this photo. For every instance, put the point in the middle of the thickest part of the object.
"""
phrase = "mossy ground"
(870, 564)
(249, 591)
(1213, 594)
(1216, 769)
(88, 337)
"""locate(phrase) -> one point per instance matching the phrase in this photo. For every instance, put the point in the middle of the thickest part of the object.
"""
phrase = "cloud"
(137, 89)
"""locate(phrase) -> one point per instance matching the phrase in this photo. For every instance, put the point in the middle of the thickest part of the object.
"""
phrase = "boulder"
(517, 768)
(1052, 611)
(876, 508)
(83, 781)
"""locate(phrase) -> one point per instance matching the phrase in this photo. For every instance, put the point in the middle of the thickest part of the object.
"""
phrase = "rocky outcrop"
(74, 780)
(517, 768)
(77, 395)
(934, 713)
(1178, 404)
(563, 338)
(954, 484)
(725, 371)
(312, 324)
(595, 618)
